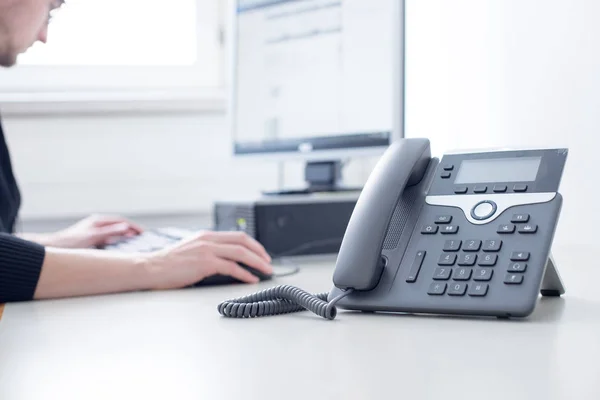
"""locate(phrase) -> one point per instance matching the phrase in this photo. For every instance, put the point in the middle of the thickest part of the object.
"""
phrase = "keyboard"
(149, 240)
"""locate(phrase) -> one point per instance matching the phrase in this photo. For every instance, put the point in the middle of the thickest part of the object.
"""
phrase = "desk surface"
(175, 345)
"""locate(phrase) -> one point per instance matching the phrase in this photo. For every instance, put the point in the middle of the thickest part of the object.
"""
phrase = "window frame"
(177, 90)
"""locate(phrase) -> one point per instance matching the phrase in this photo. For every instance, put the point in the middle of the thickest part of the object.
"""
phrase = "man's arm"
(43, 239)
(30, 271)
(70, 273)
(20, 265)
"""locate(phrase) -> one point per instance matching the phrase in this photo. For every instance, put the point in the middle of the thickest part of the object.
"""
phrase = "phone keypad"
(467, 266)
(437, 288)
(442, 274)
(452, 245)
(447, 259)
(488, 260)
(492, 245)
(457, 289)
(473, 268)
(467, 260)
(472, 245)
(483, 274)
(462, 274)
(479, 289)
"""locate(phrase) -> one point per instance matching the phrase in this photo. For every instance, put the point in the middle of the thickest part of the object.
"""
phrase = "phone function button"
(500, 188)
(460, 189)
(517, 267)
(529, 228)
(519, 256)
(448, 167)
(506, 228)
(429, 229)
(483, 210)
(443, 219)
(519, 218)
(520, 187)
(513, 279)
(416, 266)
(478, 289)
(480, 189)
(446, 175)
(437, 288)
(452, 245)
(449, 229)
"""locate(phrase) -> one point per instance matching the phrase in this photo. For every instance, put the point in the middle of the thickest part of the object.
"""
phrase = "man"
(64, 264)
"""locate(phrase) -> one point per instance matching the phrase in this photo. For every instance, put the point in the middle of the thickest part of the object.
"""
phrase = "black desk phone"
(468, 235)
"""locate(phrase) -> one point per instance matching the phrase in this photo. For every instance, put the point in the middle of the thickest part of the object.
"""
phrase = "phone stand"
(552, 284)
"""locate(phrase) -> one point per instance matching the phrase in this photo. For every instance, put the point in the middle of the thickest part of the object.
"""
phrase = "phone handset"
(358, 265)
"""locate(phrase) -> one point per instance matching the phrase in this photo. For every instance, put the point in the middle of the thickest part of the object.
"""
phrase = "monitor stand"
(321, 177)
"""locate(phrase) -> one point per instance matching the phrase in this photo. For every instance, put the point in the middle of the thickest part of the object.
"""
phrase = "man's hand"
(206, 254)
(83, 272)
(93, 231)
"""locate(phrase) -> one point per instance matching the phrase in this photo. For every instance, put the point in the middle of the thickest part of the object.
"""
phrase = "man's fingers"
(105, 220)
(231, 268)
(239, 238)
(105, 233)
(239, 253)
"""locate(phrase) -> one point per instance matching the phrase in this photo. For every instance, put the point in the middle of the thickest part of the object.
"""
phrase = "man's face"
(22, 23)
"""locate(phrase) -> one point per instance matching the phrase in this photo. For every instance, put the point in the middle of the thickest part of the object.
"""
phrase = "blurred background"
(131, 106)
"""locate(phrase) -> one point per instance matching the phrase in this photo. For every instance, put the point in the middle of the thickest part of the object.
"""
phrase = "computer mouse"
(218, 279)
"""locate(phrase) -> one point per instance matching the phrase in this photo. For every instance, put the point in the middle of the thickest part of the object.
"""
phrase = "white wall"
(479, 73)
(125, 163)
(135, 164)
(512, 73)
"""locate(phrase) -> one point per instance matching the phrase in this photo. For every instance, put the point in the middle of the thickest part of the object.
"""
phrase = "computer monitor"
(319, 80)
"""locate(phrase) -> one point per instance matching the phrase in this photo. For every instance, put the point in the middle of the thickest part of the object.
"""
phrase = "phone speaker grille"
(400, 218)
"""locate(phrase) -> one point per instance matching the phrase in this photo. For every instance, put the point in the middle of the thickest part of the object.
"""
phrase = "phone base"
(552, 284)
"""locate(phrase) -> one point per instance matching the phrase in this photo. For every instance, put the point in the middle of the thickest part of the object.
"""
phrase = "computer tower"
(290, 225)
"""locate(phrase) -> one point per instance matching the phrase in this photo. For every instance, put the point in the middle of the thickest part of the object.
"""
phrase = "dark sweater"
(20, 260)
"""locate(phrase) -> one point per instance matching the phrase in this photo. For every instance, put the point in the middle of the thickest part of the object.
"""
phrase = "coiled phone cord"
(281, 299)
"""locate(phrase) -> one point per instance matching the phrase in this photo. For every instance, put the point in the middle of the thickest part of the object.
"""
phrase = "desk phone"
(469, 234)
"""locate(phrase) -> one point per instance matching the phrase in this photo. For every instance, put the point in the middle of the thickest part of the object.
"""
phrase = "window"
(108, 46)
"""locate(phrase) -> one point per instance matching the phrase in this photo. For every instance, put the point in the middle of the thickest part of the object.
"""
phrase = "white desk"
(174, 345)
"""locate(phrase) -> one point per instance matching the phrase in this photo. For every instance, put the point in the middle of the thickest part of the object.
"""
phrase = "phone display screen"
(516, 169)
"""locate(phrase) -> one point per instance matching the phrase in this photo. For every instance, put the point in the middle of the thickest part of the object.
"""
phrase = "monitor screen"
(312, 75)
